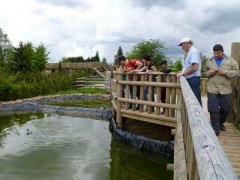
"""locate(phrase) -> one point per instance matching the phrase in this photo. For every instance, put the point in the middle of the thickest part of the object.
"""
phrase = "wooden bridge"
(198, 152)
(97, 67)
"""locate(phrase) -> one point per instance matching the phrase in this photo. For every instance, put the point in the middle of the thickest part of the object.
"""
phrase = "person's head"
(186, 44)
(146, 59)
(122, 60)
(218, 51)
(163, 64)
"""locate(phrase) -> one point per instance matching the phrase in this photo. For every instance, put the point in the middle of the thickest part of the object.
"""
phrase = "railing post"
(173, 95)
(127, 91)
(158, 90)
(119, 103)
(167, 96)
(134, 92)
(141, 109)
(150, 90)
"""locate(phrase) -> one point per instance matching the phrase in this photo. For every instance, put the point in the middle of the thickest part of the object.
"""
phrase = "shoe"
(222, 128)
(217, 134)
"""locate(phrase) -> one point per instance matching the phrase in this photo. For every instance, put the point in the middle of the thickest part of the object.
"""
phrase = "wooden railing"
(88, 65)
(197, 153)
(145, 112)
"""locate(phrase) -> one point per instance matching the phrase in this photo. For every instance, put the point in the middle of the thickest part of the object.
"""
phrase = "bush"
(29, 85)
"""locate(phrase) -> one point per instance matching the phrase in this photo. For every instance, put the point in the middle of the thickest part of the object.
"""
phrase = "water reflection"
(64, 147)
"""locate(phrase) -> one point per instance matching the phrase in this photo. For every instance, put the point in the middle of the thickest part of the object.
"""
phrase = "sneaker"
(222, 128)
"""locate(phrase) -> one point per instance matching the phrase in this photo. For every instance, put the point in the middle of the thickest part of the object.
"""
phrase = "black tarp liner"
(166, 148)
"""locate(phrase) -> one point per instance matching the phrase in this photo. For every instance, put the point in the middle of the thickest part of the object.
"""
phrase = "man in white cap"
(192, 67)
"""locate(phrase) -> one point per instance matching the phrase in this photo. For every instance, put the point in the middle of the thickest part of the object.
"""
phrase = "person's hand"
(148, 72)
(179, 74)
(213, 72)
(221, 72)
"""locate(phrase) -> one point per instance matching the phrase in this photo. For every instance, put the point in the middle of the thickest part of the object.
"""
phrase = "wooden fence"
(197, 153)
(145, 112)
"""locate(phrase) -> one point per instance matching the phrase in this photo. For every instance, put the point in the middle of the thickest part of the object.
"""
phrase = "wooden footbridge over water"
(198, 152)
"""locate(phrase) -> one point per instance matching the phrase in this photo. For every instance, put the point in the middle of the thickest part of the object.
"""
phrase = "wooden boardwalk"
(230, 141)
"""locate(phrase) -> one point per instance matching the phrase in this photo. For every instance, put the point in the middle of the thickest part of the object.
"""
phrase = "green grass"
(82, 91)
(102, 103)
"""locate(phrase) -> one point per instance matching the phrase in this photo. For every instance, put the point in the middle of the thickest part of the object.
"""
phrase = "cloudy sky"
(80, 27)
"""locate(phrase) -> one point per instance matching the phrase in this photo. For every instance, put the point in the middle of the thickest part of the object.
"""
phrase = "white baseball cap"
(183, 40)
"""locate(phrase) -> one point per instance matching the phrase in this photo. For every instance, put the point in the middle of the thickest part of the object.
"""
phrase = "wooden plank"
(137, 114)
(180, 169)
(212, 162)
(172, 106)
(147, 119)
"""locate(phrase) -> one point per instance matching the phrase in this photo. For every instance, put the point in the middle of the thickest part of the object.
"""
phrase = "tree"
(152, 47)
(120, 51)
(176, 66)
(204, 60)
(40, 58)
(96, 57)
(104, 60)
(21, 58)
(5, 48)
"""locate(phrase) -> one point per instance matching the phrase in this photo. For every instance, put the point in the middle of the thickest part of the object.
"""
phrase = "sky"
(70, 28)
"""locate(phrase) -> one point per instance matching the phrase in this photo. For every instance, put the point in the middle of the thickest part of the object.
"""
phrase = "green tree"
(40, 58)
(204, 60)
(5, 48)
(153, 47)
(120, 51)
(21, 58)
(175, 66)
(104, 60)
(96, 57)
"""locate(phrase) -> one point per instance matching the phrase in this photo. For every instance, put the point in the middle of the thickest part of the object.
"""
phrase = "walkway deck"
(230, 141)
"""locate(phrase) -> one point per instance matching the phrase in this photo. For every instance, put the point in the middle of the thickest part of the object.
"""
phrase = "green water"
(64, 148)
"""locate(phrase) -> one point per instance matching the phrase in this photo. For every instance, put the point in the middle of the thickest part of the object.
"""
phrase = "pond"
(64, 147)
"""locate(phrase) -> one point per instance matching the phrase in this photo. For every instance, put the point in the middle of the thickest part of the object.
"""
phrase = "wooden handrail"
(211, 161)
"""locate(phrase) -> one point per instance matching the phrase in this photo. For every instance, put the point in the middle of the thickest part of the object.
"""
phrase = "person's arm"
(139, 70)
(139, 65)
(234, 72)
(190, 70)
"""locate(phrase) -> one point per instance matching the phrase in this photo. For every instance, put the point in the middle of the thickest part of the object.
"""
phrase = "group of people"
(143, 65)
(219, 70)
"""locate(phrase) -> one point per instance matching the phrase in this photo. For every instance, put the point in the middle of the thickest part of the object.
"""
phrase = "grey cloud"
(67, 3)
(163, 3)
(221, 21)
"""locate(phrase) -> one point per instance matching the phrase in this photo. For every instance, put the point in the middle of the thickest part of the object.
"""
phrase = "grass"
(82, 91)
(102, 103)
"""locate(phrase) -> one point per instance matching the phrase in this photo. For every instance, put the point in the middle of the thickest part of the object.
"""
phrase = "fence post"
(119, 103)
(235, 53)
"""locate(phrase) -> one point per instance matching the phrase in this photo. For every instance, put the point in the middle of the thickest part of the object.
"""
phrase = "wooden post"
(119, 103)
(141, 109)
(127, 91)
(173, 95)
(168, 90)
(235, 53)
(134, 93)
(150, 89)
(158, 90)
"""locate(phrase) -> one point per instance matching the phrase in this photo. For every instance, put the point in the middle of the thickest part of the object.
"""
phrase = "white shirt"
(193, 56)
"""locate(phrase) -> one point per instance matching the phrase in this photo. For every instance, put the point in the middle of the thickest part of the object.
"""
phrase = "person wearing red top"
(128, 66)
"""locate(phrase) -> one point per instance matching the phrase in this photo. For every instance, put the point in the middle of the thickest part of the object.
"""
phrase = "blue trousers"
(194, 83)
(218, 107)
